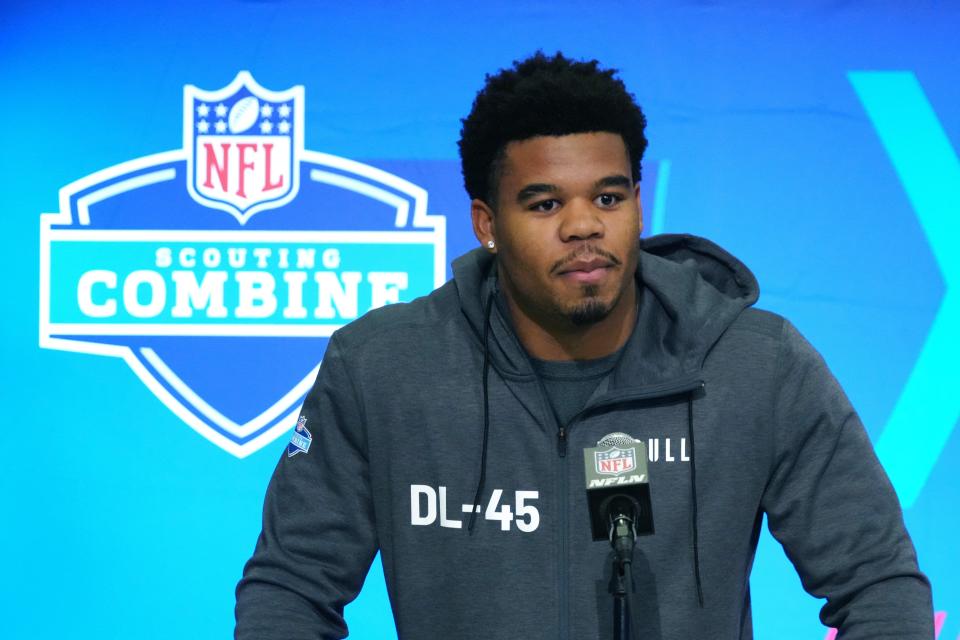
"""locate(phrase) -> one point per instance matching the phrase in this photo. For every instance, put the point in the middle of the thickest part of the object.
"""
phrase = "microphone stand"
(622, 539)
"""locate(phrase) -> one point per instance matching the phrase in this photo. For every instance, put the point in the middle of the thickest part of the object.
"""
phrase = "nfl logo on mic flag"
(615, 461)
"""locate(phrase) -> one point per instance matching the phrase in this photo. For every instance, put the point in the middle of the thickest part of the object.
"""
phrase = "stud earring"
(491, 244)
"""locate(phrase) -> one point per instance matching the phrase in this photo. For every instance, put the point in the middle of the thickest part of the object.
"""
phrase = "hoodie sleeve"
(832, 507)
(318, 536)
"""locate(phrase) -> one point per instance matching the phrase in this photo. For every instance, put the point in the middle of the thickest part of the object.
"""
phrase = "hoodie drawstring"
(693, 499)
(486, 412)
(486, 434)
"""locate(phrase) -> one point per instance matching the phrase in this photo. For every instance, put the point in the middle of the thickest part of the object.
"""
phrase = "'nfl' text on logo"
(219, 270)
(615, 461)
(242, 144)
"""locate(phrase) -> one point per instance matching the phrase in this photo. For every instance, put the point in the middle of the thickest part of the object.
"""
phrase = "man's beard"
(591, 309)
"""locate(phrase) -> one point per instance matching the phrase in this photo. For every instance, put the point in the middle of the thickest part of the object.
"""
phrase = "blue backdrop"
(817, 141)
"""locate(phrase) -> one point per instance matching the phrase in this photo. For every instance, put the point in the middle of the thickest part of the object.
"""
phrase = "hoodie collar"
(690, 292)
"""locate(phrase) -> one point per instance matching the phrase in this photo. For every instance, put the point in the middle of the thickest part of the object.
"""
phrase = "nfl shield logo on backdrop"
(243, 143)
(615, 461)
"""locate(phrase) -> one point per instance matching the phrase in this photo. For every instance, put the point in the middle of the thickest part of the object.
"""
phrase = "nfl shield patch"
(301, 439)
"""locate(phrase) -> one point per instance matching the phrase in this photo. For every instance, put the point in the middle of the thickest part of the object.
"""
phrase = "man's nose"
(581, 221)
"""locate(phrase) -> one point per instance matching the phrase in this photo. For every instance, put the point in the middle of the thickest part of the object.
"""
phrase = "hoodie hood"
(690, 292)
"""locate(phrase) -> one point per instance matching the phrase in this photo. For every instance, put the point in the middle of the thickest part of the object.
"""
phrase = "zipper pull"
(562, 442)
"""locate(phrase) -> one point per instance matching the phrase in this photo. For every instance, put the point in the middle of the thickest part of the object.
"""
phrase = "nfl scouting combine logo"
(218, 271)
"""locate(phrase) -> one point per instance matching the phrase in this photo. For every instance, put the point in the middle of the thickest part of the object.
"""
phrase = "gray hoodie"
(741, 418)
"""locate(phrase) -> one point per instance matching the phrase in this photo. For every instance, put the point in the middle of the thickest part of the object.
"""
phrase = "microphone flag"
(616, 476)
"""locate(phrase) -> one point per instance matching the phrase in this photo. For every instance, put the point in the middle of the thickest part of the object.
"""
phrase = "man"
(448, 432)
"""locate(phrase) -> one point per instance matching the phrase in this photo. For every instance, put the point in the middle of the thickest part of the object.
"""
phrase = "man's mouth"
(586, 270)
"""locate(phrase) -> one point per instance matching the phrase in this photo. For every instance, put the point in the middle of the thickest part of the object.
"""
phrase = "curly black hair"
(544, 96)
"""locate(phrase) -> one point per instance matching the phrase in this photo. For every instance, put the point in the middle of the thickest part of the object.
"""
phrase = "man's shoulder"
(754, 332)
(765, 331)
(760, 322)
(403, 319)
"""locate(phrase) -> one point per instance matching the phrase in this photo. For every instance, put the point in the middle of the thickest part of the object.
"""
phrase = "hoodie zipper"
(563, 564)
(658, 391)
(563, 484)
(654, 391)
(563, 488)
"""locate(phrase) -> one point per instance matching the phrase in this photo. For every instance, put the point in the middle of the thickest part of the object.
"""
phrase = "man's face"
(566, 227)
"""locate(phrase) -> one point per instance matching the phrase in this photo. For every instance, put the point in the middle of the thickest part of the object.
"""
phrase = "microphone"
(618, 497)
(618, 491)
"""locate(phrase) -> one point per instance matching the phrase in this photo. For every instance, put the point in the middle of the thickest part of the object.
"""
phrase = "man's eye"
(545, 206)
(609, 199)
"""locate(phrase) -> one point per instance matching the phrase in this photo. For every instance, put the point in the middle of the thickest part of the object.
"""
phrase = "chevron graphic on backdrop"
(929, 407)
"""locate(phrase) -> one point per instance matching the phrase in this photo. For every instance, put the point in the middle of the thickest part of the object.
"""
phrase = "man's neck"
(563, 340)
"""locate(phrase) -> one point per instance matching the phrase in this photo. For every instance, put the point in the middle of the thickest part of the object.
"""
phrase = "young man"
(448, 432)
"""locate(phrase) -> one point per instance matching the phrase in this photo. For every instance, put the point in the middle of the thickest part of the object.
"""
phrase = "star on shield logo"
(243, 143)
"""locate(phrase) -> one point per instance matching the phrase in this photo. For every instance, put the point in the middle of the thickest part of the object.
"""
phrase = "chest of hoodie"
(730, 473)
(425, 447)
(531, 536)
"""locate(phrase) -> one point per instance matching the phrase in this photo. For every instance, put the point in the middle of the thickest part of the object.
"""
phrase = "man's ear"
(484, 226)
(636, 194)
